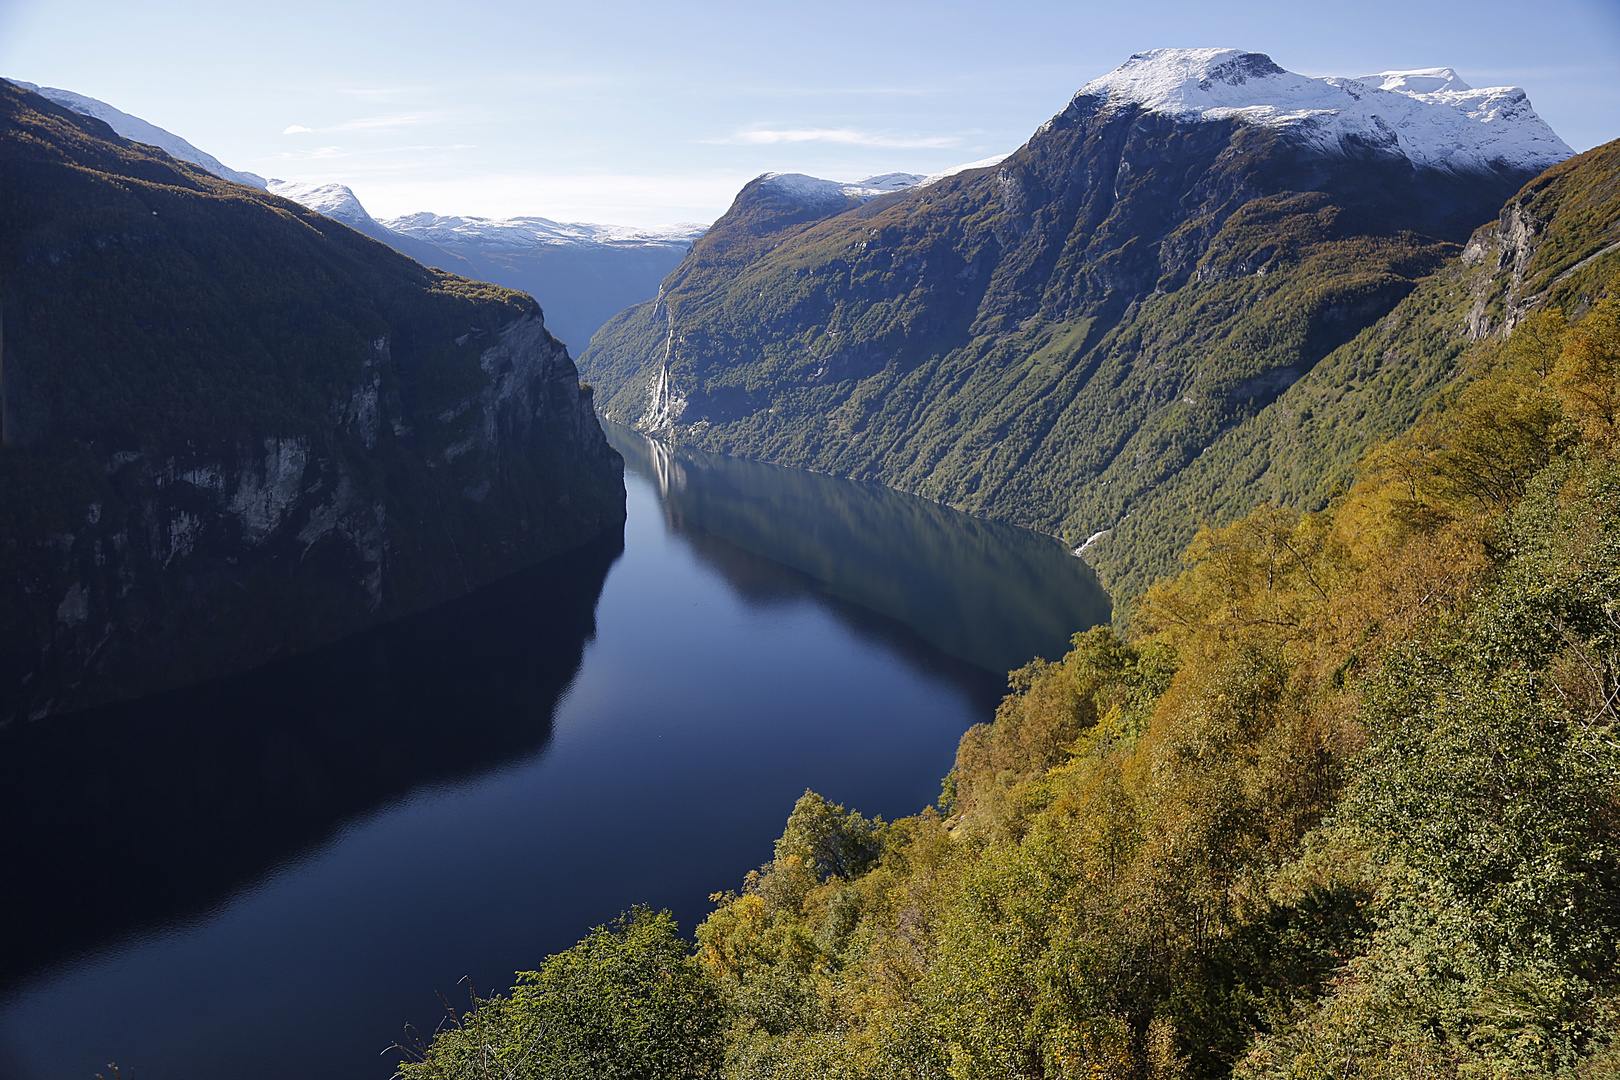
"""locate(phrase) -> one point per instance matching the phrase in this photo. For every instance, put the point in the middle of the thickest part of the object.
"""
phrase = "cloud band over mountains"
(843, 136)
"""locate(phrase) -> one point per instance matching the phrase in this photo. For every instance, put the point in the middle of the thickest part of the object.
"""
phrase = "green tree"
(627, 1003)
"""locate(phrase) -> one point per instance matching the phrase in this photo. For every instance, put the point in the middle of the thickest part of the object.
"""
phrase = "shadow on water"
(149, 814)
(987, 594)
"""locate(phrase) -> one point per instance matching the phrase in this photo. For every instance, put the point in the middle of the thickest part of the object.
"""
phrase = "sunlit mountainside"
(1070, 338)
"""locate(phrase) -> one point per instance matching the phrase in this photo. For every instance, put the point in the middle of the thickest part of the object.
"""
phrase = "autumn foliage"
(1345, 804)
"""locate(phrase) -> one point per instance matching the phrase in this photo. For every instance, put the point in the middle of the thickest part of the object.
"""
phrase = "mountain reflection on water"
(989, 594)
(141, 815)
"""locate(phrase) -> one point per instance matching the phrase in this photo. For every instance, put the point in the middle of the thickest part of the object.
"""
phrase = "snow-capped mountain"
(1428, 115)
(135, 129)
(814, 191)
(336, 201)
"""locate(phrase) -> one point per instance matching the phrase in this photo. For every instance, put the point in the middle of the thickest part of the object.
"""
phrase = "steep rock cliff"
(235, 429)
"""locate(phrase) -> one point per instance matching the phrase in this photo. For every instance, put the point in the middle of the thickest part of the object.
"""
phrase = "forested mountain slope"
(1344, 806)
(1555, 244)
(1053, 340)
(234, 428)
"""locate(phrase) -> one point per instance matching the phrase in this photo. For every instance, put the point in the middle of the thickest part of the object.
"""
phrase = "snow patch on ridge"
(982, 163)
(1429, 115)
(891, 181)
(818, 192)
(814, 191)
(135, 129)
(1417, 81)
(336, 201)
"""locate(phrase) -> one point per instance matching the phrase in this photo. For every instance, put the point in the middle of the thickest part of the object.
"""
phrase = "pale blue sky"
(643, 113)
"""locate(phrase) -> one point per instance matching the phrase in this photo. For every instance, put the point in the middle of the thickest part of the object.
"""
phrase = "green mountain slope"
(1050, 341)
(234, 428)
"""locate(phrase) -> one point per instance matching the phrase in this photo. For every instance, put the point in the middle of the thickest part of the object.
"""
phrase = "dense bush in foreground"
(626, 1003)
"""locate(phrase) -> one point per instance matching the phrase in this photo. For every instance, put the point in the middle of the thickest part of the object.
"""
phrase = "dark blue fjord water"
(269, 876)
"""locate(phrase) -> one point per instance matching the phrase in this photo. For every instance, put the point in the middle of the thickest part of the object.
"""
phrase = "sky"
(641, 113)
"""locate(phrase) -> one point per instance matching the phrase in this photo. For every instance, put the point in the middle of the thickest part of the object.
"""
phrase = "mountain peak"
(1162, 78)
(1428, 115)
(336, 201)
(1418, 81)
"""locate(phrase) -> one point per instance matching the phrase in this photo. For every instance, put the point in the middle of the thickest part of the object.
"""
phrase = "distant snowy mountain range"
(584, 273)
(526, 233)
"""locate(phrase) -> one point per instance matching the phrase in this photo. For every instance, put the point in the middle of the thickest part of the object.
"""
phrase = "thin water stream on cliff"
(270, 875)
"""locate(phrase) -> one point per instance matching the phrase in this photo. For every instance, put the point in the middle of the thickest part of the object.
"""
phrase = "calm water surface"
(269, 876)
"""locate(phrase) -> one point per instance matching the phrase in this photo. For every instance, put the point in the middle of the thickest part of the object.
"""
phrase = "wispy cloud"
(842, 136)
(371, 123)
(441, 89)
(298, 129)
(364, 159)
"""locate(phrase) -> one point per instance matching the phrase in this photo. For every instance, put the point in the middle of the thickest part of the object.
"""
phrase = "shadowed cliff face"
(1047, 341)
(235, 429)
(173, 804)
